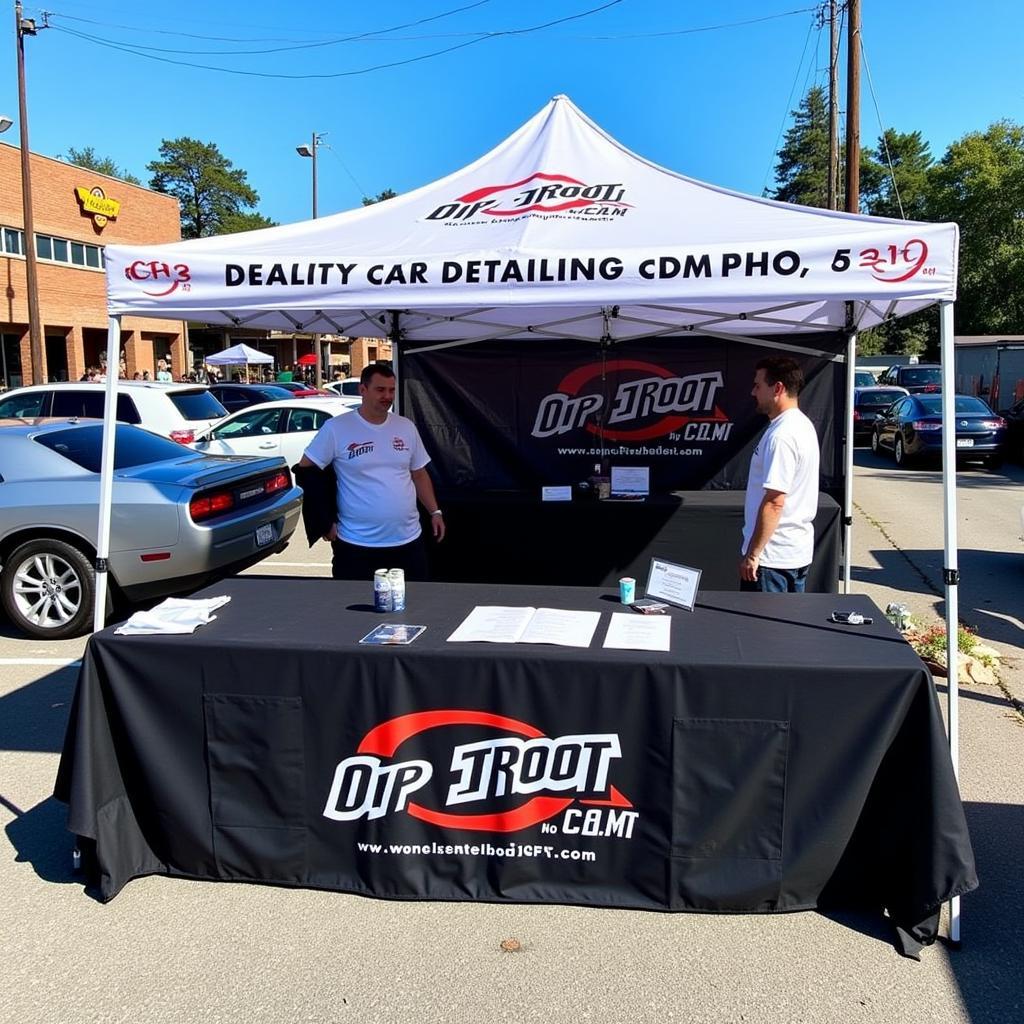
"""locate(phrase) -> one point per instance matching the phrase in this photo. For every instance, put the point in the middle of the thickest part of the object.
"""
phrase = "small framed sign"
(556, 494)
(631, 481)
(676, 584)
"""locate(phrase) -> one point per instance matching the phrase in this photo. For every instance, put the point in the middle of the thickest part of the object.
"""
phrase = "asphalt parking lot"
(167, 950)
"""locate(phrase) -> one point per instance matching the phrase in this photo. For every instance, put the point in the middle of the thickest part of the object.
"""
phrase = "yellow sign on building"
(96, 204)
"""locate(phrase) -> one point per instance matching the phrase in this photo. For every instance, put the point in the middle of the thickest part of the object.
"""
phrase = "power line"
(128, 48)
(885, 141)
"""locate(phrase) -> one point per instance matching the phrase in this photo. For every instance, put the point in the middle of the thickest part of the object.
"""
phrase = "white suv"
(178, 411)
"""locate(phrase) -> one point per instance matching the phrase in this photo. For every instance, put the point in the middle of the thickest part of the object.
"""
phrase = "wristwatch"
(437, 512)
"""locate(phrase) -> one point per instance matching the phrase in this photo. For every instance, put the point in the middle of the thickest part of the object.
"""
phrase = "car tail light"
(183, 436)
(856, 415)
(994, 424)
(921, 425)
(202, 506)
(278, 482)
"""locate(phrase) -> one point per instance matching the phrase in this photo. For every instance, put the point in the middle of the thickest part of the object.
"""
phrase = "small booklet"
(392, 633)
(499, 624)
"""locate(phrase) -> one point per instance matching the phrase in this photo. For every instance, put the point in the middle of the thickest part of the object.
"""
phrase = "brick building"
(77, 212)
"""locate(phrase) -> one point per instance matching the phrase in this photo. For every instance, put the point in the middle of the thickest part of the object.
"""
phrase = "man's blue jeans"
(777, 581)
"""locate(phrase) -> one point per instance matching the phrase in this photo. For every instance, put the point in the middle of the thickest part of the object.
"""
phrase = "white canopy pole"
(951, 573)
(107, 471)
(851, 358)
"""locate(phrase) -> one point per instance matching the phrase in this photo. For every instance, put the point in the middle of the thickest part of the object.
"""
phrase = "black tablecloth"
(772, 761)
(517, 538)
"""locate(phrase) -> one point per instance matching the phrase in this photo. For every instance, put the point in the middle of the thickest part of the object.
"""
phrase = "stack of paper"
(175, 615)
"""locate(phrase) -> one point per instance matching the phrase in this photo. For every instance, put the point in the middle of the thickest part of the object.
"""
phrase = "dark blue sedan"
(912, 429)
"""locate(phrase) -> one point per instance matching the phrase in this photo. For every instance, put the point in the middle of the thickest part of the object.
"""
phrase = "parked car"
(300, 390)
(920, 378)
(348, 387)
(274, 428)
(177, 411)
(867, 404)
(863, 379)
(1014, 417)
(239, 396)
(178, 520)
(912, 428)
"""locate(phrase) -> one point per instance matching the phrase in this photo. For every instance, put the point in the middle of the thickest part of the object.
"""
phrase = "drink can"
(381, 591)
(627, 590)
(899, 616)
(396, 577)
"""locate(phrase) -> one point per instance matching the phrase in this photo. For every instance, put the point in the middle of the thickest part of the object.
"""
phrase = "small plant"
(930, 644)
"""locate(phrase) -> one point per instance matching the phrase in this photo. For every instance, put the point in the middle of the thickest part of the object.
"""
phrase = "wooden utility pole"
(833, 107)
(27, 27)
(853, 107)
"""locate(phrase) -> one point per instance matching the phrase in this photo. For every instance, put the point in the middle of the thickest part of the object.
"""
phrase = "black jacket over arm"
(319, 499)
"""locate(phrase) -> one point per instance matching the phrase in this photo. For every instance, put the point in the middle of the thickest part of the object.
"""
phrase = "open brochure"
(499, 624)
(392, 633)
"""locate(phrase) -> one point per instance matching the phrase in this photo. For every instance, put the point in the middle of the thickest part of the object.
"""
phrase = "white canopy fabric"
(236, 355)
(549, 233)
(559, 231)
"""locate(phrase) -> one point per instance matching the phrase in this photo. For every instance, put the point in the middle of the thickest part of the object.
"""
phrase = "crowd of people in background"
(203, 374)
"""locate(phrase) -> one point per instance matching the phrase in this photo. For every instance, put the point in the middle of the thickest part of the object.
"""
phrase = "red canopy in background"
(309, 359)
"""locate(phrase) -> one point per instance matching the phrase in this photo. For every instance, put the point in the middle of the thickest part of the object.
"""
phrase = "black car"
(921, 378)
(1014, 417)
(239, 396)
(867, 404)
(912, 428)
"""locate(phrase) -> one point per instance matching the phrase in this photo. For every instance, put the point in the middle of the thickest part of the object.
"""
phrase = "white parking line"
(304, 565)
(59, 662)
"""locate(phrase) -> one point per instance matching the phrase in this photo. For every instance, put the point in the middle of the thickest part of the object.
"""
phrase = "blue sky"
(711, 104)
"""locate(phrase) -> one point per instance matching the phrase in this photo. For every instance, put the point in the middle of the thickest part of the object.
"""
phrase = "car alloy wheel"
(899, 452)
(47, 588)
(874, 441)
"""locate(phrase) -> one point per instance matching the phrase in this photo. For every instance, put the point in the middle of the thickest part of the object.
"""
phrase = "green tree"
(211, 191)
(801, 172)
(882, 192)
(388, 193)
(979, 184)
(235, 222)
(89, 159)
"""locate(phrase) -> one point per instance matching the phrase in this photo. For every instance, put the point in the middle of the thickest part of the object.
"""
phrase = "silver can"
(382, 591)
(396, 577)
(898, 615)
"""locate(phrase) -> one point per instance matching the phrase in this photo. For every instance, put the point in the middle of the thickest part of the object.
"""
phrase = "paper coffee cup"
(627, 590)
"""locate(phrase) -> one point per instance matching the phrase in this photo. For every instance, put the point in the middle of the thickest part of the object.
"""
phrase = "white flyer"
(627, 632)
(497, 624)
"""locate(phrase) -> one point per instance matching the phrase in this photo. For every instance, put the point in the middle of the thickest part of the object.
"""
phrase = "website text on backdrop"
(782, 486)
(380, 465)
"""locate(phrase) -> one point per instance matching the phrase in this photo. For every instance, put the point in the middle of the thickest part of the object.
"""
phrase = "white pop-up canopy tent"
(560, 231)
(238, 355)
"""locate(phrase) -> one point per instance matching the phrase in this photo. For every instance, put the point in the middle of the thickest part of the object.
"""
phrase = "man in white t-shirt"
(380, 465)
(782, 487)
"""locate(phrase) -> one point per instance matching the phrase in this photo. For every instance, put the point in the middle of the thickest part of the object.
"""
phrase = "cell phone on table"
(648, 607)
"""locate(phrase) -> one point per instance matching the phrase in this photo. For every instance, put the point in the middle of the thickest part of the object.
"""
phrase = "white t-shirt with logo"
(785, 459)
(373, 462)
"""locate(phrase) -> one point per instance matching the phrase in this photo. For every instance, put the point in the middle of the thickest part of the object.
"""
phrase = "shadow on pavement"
(988, 965)
(35, 717)
(40, 837)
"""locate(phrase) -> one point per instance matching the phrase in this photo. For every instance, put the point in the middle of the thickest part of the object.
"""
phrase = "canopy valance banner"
(516, 416)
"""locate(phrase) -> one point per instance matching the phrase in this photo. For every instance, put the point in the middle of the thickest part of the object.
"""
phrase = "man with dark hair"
(782, 487)
(380, 465)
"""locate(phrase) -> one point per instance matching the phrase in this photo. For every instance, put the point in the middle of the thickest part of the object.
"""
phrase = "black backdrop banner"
(514, 415)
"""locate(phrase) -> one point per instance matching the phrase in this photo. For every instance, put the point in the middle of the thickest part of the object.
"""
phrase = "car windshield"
(132, 447)
(863, 379)
(916, 375)
(198, 405)
(878, 399)
(962, 404)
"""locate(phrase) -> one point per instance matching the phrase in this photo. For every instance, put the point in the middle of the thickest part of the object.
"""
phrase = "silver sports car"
(179, 519)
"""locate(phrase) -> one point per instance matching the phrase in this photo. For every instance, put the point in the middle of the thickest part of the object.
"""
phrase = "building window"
(53, 250)
(13, 242)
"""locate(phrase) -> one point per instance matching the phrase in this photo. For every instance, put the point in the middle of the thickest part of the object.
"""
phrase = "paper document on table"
(494, 624)
(639, 632)
(504, 625)
(565, 628)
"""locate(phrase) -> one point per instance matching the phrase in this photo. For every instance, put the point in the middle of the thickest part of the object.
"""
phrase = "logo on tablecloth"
(541, 777)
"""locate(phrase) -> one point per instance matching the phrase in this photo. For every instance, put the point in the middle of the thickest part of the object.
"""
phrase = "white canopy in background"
(559, 231)
(237, 355)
